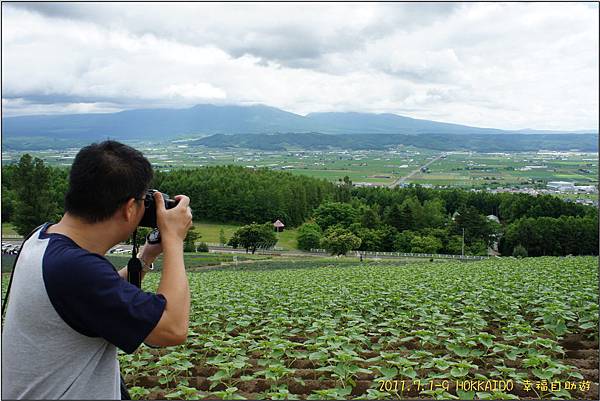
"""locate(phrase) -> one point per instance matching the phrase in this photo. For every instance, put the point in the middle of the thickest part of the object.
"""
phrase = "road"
(401, 180)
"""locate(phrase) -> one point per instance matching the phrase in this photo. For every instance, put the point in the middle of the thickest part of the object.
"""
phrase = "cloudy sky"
(511, 65)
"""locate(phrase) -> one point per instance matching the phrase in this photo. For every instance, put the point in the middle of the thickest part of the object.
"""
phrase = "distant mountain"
(474, 142)
(157, 123)
(365, 123)
(207, 119)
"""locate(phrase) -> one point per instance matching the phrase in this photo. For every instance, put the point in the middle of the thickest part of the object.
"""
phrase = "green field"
(323, 330)
(8, 230)
(337, 329)
(463, 169)
(211, 231)
(468, 169)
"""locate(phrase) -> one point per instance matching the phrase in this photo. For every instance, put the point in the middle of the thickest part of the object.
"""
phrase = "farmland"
(332, 330)
(462, 169)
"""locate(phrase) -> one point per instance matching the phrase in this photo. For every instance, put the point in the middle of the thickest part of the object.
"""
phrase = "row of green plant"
(494, 319)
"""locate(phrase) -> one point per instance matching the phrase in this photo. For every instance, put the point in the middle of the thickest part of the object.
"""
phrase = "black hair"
(103, 177)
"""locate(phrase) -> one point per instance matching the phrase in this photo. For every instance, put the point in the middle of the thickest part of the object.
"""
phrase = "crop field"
(329, 330)
(376, 167)
(473, 169)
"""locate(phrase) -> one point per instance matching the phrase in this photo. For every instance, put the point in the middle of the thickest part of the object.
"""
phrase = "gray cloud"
(509, 65)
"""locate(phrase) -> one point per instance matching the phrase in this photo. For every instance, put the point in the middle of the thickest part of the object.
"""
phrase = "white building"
(562, 185)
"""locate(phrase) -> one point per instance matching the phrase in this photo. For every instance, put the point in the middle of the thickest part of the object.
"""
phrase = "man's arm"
(174, 223)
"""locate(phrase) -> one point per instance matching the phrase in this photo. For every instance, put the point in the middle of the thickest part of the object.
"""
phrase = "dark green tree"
(35, 203)
(520, 251)
(189, 243)
(9, 199)
(253, 237)
(369, 217)
(338, 241)
(403, 241)
(335, 213)
(222, 238)
(309, 236)
(425, 244)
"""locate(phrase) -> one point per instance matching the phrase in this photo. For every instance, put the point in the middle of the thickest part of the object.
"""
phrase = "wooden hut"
(278, 226)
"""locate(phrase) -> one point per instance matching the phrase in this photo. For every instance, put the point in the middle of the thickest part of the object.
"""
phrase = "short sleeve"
(90, 296)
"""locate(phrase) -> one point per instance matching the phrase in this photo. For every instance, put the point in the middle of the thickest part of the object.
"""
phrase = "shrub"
(520, 251)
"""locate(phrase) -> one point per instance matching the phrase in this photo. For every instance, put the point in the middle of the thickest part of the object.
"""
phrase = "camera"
(149, 219)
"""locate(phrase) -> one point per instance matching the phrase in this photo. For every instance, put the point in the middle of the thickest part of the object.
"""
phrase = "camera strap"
(134, 266)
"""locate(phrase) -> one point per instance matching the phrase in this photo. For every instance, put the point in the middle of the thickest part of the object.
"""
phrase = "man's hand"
(150, 252)
(173, 223)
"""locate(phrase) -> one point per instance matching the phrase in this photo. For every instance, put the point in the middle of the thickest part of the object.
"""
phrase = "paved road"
(401, 180)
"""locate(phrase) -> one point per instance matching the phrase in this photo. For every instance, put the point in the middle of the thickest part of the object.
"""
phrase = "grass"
(211, 232)
(8, 230)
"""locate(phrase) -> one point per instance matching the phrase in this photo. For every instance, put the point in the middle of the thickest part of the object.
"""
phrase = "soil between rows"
(579, 352)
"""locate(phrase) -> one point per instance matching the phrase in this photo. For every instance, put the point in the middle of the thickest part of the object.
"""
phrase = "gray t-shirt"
(67, 313)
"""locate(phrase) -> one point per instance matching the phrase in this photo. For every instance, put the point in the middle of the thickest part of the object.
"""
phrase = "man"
(69, 308)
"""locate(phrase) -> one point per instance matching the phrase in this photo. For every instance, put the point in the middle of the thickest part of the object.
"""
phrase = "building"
(493, 218)
(561, 185)
(279, 226)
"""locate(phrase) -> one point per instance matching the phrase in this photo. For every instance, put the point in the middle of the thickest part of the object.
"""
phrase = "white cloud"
(504, 65)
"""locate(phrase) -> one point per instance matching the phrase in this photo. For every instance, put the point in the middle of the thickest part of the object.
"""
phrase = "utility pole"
(463, 243)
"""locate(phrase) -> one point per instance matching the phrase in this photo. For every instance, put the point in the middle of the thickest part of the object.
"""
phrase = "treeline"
(241, 195)
(508, 207)
(410, 226)
(547, 236)
(32, 193)
(413, 219)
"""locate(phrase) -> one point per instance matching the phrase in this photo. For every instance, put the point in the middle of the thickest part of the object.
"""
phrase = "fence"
(8, 237)
(219, 245)
(411, 255)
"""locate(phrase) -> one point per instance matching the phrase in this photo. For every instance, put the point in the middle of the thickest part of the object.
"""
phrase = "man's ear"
(129, 210)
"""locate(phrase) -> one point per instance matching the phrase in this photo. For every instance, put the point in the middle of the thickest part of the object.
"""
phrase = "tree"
(478, 247)
(434, 213)
(222, 238)
(425, 244)
(520, 251)
(403, 241)
(369, 239)
(335, 213)
(387, 237)
(254, 236)
(454, 246)
(189, 243)
(476, 226)
(309, 236)
(343, 190)
(34, 201)
(338, 241)
(370, 216)
(8, 203)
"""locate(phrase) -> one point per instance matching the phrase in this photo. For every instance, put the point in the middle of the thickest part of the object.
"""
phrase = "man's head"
(105, 177)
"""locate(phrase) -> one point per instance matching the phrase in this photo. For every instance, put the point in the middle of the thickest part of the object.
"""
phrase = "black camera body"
(149, 219)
